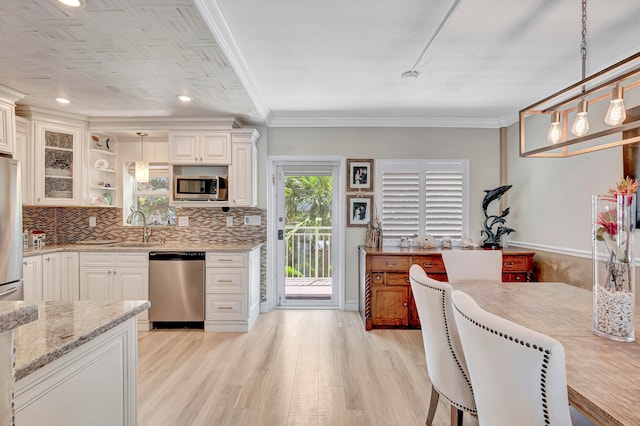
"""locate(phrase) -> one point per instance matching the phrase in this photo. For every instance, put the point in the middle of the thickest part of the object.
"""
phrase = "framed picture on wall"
(359, 175)
(359, 210)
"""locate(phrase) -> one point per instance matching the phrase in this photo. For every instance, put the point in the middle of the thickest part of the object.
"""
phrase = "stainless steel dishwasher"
(176, 286)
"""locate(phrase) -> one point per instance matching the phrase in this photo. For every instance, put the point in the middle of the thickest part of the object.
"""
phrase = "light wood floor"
(293, 368)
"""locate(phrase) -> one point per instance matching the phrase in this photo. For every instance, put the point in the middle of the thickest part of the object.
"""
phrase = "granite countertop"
(15, 314)
(134, 246)
(64, 326)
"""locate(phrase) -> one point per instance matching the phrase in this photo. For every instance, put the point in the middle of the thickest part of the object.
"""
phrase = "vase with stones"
(614, 218)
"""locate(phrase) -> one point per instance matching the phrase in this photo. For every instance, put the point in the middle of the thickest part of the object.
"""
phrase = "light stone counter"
(64, 326)
(134, 246)
(15, 314)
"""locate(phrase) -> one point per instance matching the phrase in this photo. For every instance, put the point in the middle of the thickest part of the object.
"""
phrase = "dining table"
(603, 375)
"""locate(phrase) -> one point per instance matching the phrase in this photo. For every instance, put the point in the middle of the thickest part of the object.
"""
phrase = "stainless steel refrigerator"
(10, 230)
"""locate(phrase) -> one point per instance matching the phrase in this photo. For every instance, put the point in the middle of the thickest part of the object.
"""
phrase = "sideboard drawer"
(514, 277)
(514, 263)
(377, 278)
(397, 278)
(430, 264)
(390, 263)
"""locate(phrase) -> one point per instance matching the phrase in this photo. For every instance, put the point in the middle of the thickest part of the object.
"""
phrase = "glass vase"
(614, 219)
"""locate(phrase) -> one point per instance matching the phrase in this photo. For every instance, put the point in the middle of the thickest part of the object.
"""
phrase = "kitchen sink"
(138, 244)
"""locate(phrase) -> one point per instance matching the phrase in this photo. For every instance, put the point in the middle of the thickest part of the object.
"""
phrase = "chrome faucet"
(145, 235)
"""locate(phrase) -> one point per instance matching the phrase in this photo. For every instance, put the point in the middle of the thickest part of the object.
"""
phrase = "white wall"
(551, 198)
(480, 146)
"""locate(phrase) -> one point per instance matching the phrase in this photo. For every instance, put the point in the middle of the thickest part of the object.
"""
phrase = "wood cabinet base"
(386, 300)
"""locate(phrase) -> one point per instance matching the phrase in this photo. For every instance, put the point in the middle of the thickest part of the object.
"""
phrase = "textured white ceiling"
(299, 62)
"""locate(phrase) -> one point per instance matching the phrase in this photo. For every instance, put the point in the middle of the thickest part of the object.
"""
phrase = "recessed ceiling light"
(184, 98)
(73, 3)
(63, 100)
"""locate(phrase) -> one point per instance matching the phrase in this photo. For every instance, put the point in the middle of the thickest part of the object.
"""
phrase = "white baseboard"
(351, 305)
(264, 307)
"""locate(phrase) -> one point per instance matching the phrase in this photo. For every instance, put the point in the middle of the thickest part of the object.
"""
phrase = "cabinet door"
(390, 305)
(51, 277)
(414, 318)
(183, 148)
(215, 148)
(95, 284)
(7, 113)
(242, 189)
(132, 284)
(57, 164)
(21, 153)
(69, 276)
(32, 278)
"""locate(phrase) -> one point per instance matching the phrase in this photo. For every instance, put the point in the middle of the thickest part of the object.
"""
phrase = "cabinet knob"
(47, 259)
(109, 272)
(405, 304)
(24, 263)
(508, 265)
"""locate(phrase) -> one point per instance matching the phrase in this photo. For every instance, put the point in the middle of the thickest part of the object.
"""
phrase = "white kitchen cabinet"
(32, 278)
(51, 276)
(102, 170)
(232, 292)
(60, 276)
(23, 151)
(7, 129)
(93, 384)
(57, 164)
(200, 148)
(116, 276)
(243, 171)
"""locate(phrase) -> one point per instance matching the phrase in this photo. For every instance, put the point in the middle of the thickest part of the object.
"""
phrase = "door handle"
(11, 290)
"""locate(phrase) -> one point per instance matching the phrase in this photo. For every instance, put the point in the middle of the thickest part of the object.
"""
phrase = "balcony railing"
(308, 251)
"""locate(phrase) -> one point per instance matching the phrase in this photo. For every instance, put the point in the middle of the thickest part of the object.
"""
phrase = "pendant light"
(555, 132)
(142, 167)
(616, 113)
(581, 123)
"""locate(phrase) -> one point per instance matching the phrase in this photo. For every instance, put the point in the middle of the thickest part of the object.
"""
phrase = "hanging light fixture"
(142, 167)
(581, 123)
(616, 128)
(616, 113)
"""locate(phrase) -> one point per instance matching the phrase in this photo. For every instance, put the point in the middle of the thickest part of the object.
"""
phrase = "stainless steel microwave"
(199, 188)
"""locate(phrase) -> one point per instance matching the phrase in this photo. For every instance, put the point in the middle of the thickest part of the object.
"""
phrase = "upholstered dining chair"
(518, 374)
(446, 364)
(473, 265)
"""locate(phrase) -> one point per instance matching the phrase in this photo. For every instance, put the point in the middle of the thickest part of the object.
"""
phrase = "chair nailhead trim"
(443, 305)
(543, 368)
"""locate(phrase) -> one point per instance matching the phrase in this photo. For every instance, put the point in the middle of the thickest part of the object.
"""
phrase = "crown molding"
(51, 115)
(335, 120)
(217, 24)
(106, 124)
(10, 95)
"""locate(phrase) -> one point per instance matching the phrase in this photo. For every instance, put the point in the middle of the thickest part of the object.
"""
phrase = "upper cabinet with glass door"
(57, 164)
(102, 170)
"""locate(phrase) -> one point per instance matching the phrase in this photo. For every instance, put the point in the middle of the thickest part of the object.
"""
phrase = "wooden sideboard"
(386, 300)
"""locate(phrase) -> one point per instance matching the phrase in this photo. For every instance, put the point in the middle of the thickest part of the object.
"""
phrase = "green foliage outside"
(155, 207)
(308, 203)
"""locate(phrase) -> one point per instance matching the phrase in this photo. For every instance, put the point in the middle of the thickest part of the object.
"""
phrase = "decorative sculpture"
(492, 241)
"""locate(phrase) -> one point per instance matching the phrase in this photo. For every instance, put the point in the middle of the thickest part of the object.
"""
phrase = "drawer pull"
(225, 260)
(427, 265)
(378, 277)
(508, 265)
(406, 280)
(405, 304)
(225, 281)
(390, 263)
(224, 307)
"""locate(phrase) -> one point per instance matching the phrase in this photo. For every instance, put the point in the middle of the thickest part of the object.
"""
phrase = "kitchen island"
(77, 364)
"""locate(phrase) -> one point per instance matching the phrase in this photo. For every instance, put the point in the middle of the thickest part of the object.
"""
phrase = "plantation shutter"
(400, 203)
(444, 200)
(420, 196)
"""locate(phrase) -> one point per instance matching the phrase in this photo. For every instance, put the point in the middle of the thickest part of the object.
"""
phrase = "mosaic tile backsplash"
(67, 225)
